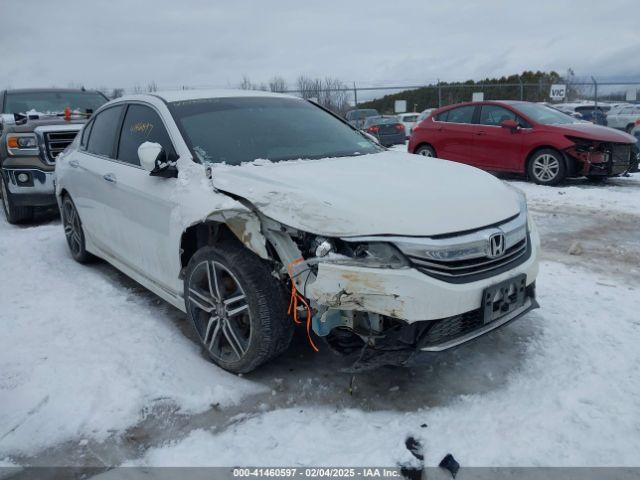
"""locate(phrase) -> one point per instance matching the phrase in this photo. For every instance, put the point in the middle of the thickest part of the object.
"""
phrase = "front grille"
(474, 268)
(56, 142)
(620, 158)
(620, 154)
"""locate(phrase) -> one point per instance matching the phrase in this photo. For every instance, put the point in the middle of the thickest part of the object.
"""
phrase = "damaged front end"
(604, 159)
(374, 300)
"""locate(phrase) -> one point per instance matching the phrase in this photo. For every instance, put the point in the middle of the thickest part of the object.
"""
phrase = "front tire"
(74, 232)
(547, 167)
(236, 307)
(14, 214)
(426, 151)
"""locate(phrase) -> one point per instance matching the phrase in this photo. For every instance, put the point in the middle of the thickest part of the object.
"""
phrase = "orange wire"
(293, 303)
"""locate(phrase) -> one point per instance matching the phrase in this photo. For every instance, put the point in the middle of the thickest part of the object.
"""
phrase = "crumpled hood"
(595, 132)
(389, 193)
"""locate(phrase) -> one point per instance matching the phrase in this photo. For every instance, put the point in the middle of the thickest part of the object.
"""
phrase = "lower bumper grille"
(440, 332)
(619, 159)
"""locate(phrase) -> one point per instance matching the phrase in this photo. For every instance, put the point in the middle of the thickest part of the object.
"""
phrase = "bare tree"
(116, 93)
(152, 87)
(246, 84)
(331, 93)
(308, 87)
(335, 95)
(278, 84)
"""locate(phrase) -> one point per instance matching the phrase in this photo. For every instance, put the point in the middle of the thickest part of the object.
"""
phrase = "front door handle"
(74, 163)
(481, 132)
(109, 177)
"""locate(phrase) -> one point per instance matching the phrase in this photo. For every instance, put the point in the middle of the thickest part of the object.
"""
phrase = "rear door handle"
(481, 132)
(109, 177)
(74, 163)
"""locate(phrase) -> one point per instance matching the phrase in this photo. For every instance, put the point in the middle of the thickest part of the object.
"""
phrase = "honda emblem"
(496, 245)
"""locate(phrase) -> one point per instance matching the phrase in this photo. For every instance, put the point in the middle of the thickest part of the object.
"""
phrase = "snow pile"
(296, 437)
(619, 194)
(84, 355)
(574, 401)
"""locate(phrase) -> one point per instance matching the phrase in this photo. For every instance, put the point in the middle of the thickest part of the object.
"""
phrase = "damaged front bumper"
(407, 293)
(409, 310)
(609, 160)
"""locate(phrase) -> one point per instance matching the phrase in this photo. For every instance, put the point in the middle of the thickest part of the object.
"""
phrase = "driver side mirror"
(153, 159)
(510, 124)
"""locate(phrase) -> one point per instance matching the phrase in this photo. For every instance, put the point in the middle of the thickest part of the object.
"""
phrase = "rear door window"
(495, 115)
(85, 135)
(142, 124)
(102, 136)
(461, 114)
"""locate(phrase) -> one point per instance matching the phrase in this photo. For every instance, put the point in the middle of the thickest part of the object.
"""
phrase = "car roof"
(483, 102)
(48, 89)
(183, 95)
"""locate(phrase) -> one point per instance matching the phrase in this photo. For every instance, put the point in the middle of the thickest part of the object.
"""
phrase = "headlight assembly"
(371, 254)
(22, 144)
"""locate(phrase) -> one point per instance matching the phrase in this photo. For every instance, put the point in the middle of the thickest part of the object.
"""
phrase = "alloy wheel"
(72, 228)
(220, 311)
(546, 167)
(425, 152)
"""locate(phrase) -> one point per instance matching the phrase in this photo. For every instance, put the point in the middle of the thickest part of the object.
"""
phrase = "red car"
(509, 136)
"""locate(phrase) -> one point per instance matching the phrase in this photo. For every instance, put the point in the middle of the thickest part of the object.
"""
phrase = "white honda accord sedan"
(253, 212)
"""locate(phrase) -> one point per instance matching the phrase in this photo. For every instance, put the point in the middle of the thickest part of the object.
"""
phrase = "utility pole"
(439, 94)
(595, 92)
(355, 95)
(521, 88)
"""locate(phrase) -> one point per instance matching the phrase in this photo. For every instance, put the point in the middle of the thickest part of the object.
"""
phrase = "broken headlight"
(370, 254)
(582, 144)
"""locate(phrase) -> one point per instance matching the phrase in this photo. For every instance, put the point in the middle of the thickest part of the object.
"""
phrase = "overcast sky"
(120, 43)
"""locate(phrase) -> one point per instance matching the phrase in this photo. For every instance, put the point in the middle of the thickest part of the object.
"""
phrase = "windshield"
(362, 114)
(543, 114)
(424, 115)
(236, 130)
(52, 101)
(409, 118)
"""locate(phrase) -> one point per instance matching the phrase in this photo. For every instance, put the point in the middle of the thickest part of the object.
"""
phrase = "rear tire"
(236, 307)
(426, 151)
(547, 167)
(14, 214)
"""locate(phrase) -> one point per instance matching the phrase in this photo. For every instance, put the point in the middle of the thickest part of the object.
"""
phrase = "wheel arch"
(424, 144)
(243, 228)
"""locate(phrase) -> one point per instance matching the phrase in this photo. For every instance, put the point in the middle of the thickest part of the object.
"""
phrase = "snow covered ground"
(83, 354)
(96, 371)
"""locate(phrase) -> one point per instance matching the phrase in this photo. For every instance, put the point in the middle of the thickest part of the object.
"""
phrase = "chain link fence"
(420, 97)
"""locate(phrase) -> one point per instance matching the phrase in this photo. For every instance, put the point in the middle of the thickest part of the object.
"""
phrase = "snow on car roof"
(182, 95)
